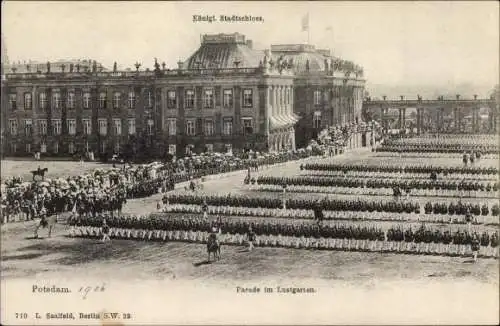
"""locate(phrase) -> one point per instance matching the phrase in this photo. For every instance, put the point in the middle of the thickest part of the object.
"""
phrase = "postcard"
(301, 162)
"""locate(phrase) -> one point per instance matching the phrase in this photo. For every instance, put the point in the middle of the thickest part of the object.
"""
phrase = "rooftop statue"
(48, 66)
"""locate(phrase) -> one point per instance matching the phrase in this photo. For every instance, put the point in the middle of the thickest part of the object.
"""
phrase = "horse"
(213, 246)
(39, 172)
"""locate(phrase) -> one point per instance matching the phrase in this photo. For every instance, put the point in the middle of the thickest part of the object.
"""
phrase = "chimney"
(250, 44)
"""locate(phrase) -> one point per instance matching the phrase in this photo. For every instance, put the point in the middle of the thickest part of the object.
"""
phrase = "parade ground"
(23, 256)
(428, 285)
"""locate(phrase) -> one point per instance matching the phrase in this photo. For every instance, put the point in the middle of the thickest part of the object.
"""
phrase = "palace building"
(227, 96)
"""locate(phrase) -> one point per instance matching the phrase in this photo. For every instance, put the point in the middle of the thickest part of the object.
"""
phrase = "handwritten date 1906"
(85, 290)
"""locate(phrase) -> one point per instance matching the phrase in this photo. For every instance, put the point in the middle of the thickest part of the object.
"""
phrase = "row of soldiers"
(438, 236)
(427, 169)
(195, 224)
(460, 209)
(251, 239)
(430, 149)
(351, 182)
(265, 202)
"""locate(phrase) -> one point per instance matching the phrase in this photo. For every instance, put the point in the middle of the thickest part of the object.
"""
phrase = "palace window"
(27, 101)
(209, 148)
(149, 100)
(229, 148)
(172, 126)
(247, 98)
(87, 126)
(117, 146)
(131, 126)
(247, 126)
(103, 127)
(208, 98)
(55, 147)
(151, 124)
(227, 126)
(42, 127)
(117, 97)
(317, 97)
(13, 127)
(28, 127)
(56, 127)
(43, 147)
(71, 100)
(117, 124)
(13, 102)
(71, 147)
(190, 127)
(317, 120)
(28, 148)
(103, 147)
(56, 99)
(86, 100)
(228, 98)
(71, 126)
(208, 127)
(189, 100)
(172, 149)
(42, 97)
(131, 100)
(102, 100)
(171, 99)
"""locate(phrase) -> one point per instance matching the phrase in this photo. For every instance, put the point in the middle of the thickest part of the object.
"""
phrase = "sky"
(401, 45)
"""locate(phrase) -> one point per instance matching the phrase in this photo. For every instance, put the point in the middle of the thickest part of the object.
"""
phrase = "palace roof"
(224, 51)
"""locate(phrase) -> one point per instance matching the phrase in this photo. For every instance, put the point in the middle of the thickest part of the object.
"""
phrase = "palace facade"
(226, 96)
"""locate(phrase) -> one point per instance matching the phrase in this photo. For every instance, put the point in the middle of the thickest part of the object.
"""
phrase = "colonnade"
(280, 104)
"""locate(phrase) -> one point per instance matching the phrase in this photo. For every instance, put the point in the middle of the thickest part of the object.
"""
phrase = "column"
(441, 118)
(404, 118)
(400, 118)
(268, 100)
(459, 117)
(282, 100)
(419, 122)
(382, 115)
(274, 104)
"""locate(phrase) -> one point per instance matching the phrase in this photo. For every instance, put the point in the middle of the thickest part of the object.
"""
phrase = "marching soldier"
(475, 246)
(204, 208)
(251, 236)
(105, 231)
